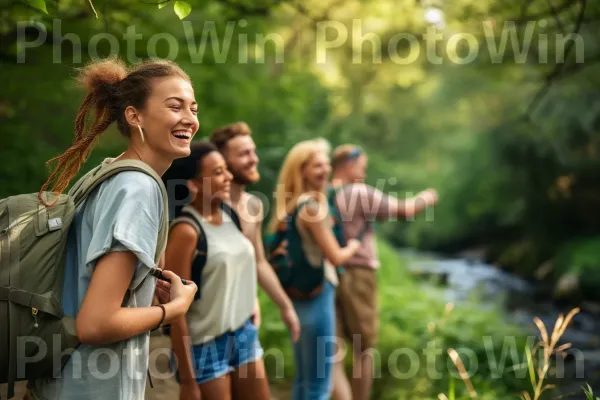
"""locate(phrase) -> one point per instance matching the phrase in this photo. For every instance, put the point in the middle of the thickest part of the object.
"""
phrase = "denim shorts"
(225, 353)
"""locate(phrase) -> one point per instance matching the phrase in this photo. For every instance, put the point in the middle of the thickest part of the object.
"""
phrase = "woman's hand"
(163, 291)
(353, 245)
(290, 318)
(180, 295)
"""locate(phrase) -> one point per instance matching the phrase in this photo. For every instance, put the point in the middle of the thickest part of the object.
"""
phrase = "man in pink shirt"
(356, 301)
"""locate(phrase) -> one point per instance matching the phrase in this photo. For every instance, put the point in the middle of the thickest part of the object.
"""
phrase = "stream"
(461, 278)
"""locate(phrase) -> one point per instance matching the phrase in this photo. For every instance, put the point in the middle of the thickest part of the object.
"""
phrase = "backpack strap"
(200, 257)
(232, 214)
(109, 168)
(86, 185)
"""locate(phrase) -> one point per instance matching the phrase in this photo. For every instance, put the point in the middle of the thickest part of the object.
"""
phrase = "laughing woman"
(216, 344)
(302, 181)
(113, 239)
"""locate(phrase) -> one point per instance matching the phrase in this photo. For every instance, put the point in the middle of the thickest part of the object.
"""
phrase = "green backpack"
(34, 332)
(295, 273)
(297, 276)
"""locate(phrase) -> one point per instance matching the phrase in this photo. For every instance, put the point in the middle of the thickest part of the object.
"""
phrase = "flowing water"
(461, 278)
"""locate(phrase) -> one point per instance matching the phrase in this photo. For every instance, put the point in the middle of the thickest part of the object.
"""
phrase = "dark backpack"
(201, 255)
(33, 239)
(300, 278)
(297, 275)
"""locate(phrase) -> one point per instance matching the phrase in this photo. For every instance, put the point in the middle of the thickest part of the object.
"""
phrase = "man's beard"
(241, 179)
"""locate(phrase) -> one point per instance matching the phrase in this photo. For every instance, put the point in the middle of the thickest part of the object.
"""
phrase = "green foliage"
(580, 257)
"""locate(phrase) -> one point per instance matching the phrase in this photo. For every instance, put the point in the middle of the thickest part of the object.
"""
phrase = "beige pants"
(357, 317)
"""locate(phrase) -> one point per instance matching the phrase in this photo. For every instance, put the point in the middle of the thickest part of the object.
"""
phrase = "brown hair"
(111, 87)
(221, 136)
(343, 153)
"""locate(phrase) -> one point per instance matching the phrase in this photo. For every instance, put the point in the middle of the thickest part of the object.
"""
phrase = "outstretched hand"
(430, 196)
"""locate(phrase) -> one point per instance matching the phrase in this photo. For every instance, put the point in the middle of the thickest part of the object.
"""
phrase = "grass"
(538, 372)
(589, 393)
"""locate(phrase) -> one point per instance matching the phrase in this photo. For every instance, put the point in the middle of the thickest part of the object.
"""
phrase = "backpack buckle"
(54, 224)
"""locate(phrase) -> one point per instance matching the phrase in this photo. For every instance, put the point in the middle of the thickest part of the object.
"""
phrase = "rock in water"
(567, 286)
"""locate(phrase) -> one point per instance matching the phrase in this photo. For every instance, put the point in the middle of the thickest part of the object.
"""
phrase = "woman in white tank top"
(216, 344)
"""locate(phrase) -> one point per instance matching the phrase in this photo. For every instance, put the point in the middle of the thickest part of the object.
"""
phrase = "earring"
(141, 134)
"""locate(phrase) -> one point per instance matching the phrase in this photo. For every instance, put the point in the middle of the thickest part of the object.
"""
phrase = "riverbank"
(570, 269)
(521, 301)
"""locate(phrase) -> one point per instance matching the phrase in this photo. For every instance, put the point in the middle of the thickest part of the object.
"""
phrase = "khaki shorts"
(357, 319)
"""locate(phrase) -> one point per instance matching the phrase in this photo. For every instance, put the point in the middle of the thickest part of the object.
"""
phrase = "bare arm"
(102, 319)
(178, 256)
(322, 233)
(366, 201)
(412, 206)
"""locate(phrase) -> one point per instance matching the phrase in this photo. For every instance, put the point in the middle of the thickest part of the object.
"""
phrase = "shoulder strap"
(90, 181)
(294, 216)
(234, 215)
(187, 218)
(199, 262)
(109, 168)
(301, 205)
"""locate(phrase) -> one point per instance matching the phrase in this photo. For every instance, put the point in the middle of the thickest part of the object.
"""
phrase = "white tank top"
(228, 281)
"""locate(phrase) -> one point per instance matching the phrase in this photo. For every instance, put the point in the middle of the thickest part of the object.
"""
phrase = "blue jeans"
(314, 352)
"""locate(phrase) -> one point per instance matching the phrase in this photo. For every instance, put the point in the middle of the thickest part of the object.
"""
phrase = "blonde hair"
(290, 185)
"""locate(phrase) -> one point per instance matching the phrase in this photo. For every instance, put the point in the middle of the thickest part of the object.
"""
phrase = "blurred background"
(495, 103)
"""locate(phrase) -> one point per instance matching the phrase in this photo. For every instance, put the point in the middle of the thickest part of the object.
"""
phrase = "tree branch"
(556, 17)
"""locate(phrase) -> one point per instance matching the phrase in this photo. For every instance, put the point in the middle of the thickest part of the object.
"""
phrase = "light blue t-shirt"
(123, 214)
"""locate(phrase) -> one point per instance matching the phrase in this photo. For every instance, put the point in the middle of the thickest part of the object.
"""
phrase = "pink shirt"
(361, 204)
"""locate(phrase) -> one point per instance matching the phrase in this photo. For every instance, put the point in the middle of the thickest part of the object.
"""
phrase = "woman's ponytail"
(100, 79)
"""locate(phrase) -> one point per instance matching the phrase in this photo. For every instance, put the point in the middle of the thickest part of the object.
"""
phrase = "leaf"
(451, 388)
(563, 347)
(163, 4)
(531, 368)
(182, 9)
(39, 4)
(589, 394)
(525, 395)
(542, 329)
